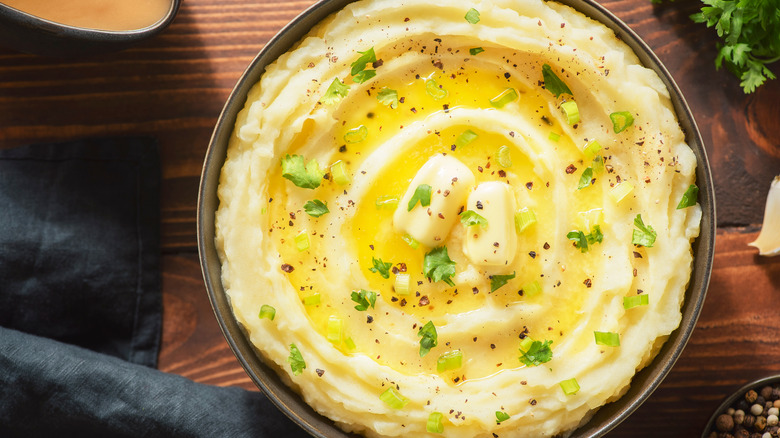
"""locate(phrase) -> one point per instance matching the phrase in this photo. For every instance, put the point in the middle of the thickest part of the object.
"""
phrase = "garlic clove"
(768, 241)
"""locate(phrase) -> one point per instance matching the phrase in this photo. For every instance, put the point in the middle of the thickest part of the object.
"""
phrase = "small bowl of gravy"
(81, 27)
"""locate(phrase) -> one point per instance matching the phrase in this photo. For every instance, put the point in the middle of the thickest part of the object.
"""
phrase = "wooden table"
(173, 87)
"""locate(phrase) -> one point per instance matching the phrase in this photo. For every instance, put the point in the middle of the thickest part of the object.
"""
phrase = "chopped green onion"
(435, 91)
(501, 416)
(410, 241)
(571, 111)
(621, 120)
(504, 157)
(505, 97)
(553, 83)
(470, 218)
(472, 16)
(386, 202)
(356, 135)
(434, 424)
(620, 191)
(267, 311)
(534, 353)
(423, 194)
(476, 51)
(335, 92)
(335, 329)
(524, 219)
(401, 284)
(380, 267)
(591, 149)
(350, 344)
(428, 338)
(496, 281)
(570, 387)
(586, 178)
(532, 289)
(338, 171)
(451, 360)
(644, 235)
(609, 339)
(363, 76)
(689, 198)
(388, 97)
(554, 136)
(297, 364)
(302, 241)
(393, 398)
(312, 300)
(465, 138)
(526, 343)
(315, 208)
(598, 165)
(635, 301)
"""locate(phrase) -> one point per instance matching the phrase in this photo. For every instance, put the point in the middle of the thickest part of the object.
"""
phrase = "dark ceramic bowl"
(606, 418)
(28, 33)
(730, 400)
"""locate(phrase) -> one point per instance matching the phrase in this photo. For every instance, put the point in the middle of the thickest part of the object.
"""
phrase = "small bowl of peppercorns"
(753, 411)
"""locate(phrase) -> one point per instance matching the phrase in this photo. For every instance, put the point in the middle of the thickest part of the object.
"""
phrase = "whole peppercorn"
(766, 392)
(741, 433)
(739, 416)
(751, 396)
(760, 400)
(772, 420)
(756, 409)
(760, 423)
(773, 430)
(742, 404)
(724, 423)
(749, 421)
(755, 435)
(777, 403)
(775, 393)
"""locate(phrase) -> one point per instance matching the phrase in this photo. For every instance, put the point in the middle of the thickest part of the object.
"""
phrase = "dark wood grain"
(173, 87)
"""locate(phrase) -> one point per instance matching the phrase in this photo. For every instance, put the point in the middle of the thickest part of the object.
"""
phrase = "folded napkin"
(80, 304)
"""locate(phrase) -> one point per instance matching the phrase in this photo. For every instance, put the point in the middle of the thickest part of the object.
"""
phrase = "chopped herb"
(465, 138)
(410, 241)
(586, 178)
(621, 120)
(363, 76)
(267, 311)
(360, 64)
(635, 301)
(689, 198)
(535, 353)
(582, 240)
(553, 83)
(434, 424)
(571, 111)
(472, 16)
(450, 360)
(438, 266)
(610, 339)
(428, 338)
(504, 157)
(335, 92)
(532, 289)
(312, 300)
(524, 219)
(476, 51)
(364, 299)
(501, 416)
(570, 387)
(620, 191)
(591, 148)
(297, 364)
(401, 284)
(386, 202)
(315, 208)
(644, 235)
(554, 136)
(306, 176)
(335, 329)
(505, 97)
(598, 165)
(496, 281)
(356, 135)
(422, 194)
(302, 241)
(388, 97)
(339, 172)
(381, 267)
(470, 218)
(434, 90)
(393, 398)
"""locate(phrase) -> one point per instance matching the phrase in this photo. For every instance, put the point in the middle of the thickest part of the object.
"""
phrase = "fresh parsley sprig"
(380, 267)
(438, 266)
(428, 338)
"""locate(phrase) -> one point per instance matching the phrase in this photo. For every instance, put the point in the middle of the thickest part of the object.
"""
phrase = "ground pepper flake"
(287, 268)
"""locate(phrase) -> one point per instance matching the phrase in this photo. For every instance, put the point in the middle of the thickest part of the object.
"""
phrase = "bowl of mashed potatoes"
(441, 218)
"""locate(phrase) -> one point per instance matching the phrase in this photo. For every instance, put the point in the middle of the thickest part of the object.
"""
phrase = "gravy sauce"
(114, 15)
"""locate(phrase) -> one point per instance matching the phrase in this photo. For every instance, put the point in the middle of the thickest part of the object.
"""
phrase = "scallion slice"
(401, 284)
(570, 387)
(504, 157)
(356, 135)
(434, 424)
(312, 300)
(393, 398)
(621, 120)
(635, 301)
(335, 329)
(435, 90)
(501, 416)
(610, 339)
(532, 289)
(524, 219)
(571, 111)
(476, 51)
(472, 16)
(591, 148)
(267, 311)
(451, 360)
(598, 165)
(350, 344)
(302, 241)
(410, 241)
(465, 138)
(386, 202)
(554, 136)
(338, 171)
(505, 97)
(620, 191)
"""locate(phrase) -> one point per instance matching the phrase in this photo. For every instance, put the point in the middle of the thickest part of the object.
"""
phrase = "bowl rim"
(644, 382)
(734, 396)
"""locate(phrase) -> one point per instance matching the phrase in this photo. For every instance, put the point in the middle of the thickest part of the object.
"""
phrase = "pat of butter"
(496, 244)
(450, 182)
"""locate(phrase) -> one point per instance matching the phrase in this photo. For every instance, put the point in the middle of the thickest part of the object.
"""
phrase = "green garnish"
(335, 92)
(591, 148)
(553, 83)
(501, 416)
(554, 136)
(504, 156)
(571, 111)
(496, 281)
(534, 353)
(470, 217)
(465, 138)
(422, 194)
(335, 329)
(472, 16)
(644, 235)
(380, 267)
(570, 387)
(503, 98)
(386, 202)
(312, 300)
(315, 208)
(363, 76)
(350, 344)
(609, 339)
(428, 338)
(302, 241)
(401, 284)
(388, 97)
(434, 90)
(586, 178)
(434, 424)
(364, 299)
(524, 219)
(338, 171)
(598, 165)
(582, 240)
(393, 398)
(476, 51)
(438, 266)
(356, 135)
(621, 120)
(297, 364)
(267, 311)
(635, 301)
(689, 198)
(306, 176)
(532, 289)
(450, 360)
(410, 241)
(360, 64)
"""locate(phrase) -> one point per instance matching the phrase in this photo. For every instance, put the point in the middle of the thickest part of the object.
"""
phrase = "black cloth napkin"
(80, 304)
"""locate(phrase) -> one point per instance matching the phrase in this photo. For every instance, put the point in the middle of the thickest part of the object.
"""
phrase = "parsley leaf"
(582, 240)
(335, 92)
(363, 76)
(360, 64)
(476, 51)
(553, 83)
(381, 267)
(438, 266)
(496, 281)
(689, 198)
(471, 217)
(538, 353)
(644, 235)
(501, 416)
(423, 194)
(586, 178)
(316, 208)
(306, 176)
(297, 364)
(472, 16)
(389, 97)
(364, 299)
(429, 338)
